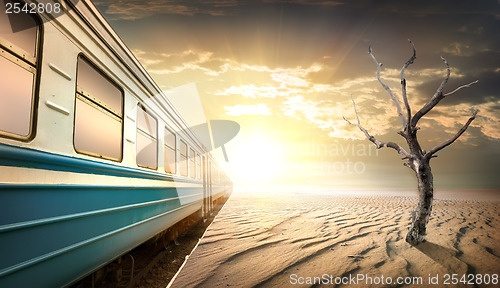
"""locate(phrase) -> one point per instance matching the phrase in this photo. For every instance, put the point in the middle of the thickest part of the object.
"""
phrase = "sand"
(322, 240)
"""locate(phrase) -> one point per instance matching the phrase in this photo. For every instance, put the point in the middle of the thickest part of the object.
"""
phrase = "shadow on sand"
(445, 257)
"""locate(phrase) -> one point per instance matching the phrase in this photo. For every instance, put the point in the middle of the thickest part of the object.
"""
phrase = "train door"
(209, 186)
(205, 187)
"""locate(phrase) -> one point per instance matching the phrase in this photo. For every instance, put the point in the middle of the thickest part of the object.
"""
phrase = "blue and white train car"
(94, 160)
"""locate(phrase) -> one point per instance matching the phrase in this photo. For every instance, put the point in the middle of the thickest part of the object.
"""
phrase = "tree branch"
(429, 155)
(461, 87)
(377, 143)
(355, 110)
(438, 96)
(410, 165)
(394, 99)
(403, 84)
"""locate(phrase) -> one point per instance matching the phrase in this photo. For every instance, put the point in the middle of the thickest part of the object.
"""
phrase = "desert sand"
(324, 239)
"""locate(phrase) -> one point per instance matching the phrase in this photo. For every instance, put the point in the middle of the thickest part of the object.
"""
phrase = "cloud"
(239, 110)
(307, 2)
(285, 82)
(474, 29)
(327, 115)
(452, 118)
(253, 91)
(296, 94)
(298, 107)
(136, 9)
(458, 49)
(444, 7)
(205, 61)
(289, 80)
(172, 63)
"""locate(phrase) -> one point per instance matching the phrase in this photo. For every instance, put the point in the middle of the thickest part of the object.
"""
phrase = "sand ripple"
(260, 240)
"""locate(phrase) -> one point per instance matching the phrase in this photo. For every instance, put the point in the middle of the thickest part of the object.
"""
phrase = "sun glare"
(258, 161)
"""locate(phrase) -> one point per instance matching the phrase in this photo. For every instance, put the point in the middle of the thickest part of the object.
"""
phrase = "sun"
(257, 161)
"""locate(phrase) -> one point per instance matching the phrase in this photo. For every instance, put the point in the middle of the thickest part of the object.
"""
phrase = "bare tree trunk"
(425, 194)
(418, 160)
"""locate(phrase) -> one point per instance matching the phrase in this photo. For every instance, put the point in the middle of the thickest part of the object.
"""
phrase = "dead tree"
(417, 159)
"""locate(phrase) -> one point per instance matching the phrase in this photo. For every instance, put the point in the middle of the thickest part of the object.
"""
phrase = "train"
(94, 158)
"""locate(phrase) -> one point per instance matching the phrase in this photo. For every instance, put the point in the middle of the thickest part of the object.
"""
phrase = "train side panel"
(73, 229)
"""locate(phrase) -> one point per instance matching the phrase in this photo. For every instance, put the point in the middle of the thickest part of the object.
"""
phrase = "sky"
(285, 70)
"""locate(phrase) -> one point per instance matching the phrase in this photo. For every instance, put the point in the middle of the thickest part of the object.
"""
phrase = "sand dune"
(273, 240)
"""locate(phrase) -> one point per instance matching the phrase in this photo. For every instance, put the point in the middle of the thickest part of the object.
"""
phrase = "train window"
(97, 88)
(24, 39)
(18, 66)
(147, 135)
(198, 166)
(184, 158)
(98, 114)
(170, 148)
(192, 163)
